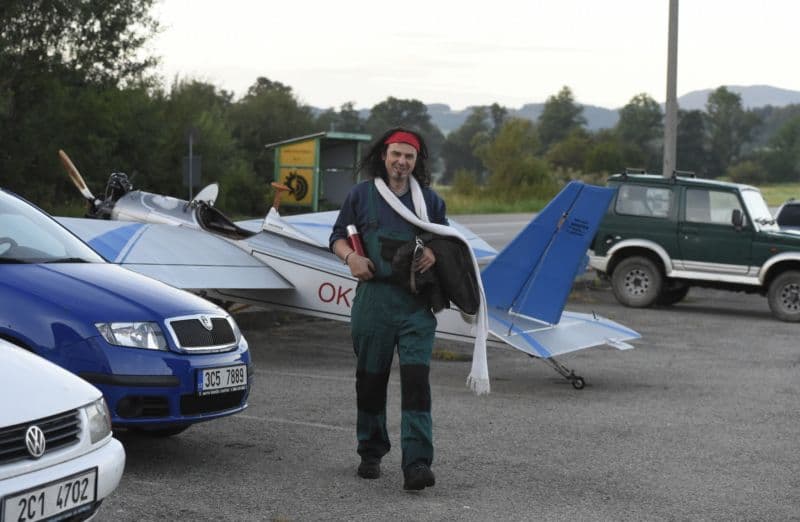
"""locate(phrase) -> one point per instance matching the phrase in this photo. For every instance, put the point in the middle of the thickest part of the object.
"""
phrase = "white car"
(57, 454)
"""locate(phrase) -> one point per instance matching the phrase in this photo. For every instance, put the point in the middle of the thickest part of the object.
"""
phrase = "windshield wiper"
(13, 261)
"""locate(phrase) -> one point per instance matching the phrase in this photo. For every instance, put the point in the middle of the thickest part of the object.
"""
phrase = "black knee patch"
(371, 391)
(416, 390)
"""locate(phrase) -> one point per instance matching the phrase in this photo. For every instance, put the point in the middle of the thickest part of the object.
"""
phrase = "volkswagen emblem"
(206, 322)
(34, 439)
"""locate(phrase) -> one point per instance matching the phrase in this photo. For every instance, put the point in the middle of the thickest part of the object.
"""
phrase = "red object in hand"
(354, 240)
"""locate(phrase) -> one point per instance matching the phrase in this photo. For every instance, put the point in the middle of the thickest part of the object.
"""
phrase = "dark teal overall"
(385, 316)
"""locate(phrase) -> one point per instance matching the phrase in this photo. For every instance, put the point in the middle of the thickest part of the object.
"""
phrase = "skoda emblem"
(206, 322)
(34, 439)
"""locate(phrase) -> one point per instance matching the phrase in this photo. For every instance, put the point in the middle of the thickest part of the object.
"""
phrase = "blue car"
(163, 358)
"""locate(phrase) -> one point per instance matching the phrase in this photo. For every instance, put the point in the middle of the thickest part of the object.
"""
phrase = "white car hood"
(32, 388)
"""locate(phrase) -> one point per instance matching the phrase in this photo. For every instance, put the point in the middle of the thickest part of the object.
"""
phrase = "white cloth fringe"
(478, 379)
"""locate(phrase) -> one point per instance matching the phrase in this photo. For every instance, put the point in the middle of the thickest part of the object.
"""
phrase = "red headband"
(403, 137)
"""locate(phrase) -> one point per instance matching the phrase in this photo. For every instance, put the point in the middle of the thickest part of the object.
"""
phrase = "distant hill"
(753, 96)
(449, 120)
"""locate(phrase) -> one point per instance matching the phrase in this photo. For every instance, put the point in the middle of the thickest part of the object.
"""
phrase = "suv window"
(638, 200)
(711, 206)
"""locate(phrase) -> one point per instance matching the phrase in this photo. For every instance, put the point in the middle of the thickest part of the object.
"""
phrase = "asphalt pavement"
(698, 422)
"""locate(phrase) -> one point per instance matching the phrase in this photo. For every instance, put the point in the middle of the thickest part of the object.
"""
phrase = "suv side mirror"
(737, 219)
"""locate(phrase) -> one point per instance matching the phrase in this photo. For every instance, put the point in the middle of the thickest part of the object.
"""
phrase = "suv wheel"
(784, 296)
(636, 282)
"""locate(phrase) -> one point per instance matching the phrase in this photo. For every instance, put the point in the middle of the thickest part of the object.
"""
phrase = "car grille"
(59, 431)
(191, 335)
(194, 405)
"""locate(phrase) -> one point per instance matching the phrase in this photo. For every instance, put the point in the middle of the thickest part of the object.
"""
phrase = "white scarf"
(478, 379)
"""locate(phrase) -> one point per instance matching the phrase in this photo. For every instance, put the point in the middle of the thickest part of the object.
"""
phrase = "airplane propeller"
(280, 188)
(76, 177)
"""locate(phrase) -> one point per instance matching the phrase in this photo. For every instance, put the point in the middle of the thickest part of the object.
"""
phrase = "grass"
(482, 204)
(778, 193)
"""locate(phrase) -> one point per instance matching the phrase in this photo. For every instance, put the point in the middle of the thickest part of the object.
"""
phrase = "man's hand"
(361, 267)
(425, 262)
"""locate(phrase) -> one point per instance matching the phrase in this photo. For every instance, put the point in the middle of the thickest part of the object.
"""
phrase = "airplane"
(284, 262)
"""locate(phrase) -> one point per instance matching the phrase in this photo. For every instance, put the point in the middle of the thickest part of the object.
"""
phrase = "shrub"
(750, 172)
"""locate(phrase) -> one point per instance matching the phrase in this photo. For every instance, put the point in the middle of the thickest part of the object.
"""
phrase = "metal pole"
(671, 105)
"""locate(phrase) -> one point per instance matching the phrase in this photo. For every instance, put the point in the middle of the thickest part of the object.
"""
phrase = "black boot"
(370, 468)
(418, 476)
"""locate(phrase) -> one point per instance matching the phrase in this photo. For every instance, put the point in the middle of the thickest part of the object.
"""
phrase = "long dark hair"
(373, 165)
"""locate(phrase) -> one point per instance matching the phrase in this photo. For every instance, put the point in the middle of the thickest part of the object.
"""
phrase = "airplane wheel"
(578, 383)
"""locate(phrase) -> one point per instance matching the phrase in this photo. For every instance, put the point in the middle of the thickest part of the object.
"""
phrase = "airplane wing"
(182, 257)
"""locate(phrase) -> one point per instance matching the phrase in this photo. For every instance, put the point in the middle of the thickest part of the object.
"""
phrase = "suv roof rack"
(632, 170)
(686, 173)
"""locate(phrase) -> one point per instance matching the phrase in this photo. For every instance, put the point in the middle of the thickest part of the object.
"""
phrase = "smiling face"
(399, 159)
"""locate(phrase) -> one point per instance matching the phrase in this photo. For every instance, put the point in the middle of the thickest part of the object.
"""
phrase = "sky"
(464, 53)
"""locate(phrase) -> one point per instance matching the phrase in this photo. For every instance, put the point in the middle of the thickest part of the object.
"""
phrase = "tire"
(671, 295)
(636, 282)
(784, 296)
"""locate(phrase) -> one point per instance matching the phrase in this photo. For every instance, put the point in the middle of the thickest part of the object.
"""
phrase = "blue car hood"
(101, 291)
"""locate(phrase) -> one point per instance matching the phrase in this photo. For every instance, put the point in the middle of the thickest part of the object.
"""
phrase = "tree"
(691, 150)
(499, 115)
(641, 131)
(202, 109)
(413, 114)
(570, 153)
(97, 40)
(560, 116)
(728, 127)
(62, 65)
(458, 151)
(268, 113)
(515, 171)
(605, 156)
(782, 159)
(347, 119)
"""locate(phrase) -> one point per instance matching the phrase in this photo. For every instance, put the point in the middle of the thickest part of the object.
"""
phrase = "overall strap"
(372, 204)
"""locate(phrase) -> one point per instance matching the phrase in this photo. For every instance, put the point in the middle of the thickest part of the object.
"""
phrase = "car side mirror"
(737, 219)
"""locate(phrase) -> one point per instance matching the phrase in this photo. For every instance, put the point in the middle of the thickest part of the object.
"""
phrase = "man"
(385, 315)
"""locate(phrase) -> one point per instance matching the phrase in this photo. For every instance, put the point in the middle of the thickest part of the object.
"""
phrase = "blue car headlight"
(135, 335)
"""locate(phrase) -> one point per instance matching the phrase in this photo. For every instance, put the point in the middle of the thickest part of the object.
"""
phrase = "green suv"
(662, 236)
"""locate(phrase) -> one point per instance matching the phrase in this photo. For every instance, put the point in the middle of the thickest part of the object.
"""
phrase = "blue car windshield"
(28, 235)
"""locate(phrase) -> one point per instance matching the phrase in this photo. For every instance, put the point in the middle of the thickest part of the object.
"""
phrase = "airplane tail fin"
(533, 275)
